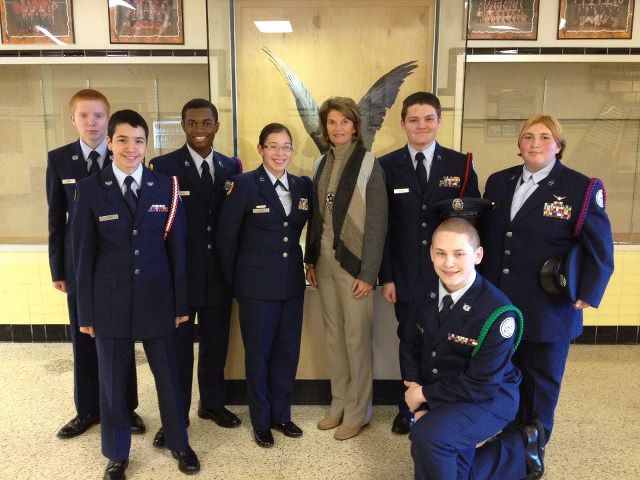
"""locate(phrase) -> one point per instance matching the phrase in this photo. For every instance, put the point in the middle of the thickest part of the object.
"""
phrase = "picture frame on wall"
(502, 19)
(37, 22)
(159, 22)
(602, 19)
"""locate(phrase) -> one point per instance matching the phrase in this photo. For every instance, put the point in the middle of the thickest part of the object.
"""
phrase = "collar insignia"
(551, 182)
(466, 307)
(432, 295)
(186, 163)
(149, 184)
(438, 157)
(220, 164)
(74, 157)
(108, 183)
(261, 178)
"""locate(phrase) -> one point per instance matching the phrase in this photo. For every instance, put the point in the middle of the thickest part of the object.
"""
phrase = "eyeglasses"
(271, 147)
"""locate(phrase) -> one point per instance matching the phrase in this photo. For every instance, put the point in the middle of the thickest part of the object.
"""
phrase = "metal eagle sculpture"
(373, 105)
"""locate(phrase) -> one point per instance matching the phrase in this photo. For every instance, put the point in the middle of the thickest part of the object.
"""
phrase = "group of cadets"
(143, 252)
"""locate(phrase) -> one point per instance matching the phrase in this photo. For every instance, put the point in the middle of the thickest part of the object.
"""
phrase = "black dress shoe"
(534, 441)
(289, 429)
(187, 461)
(115, 470)
(77, 426)
(137, 425)
(263, 438)
(158, 440)
(222, 416)
(401, 424)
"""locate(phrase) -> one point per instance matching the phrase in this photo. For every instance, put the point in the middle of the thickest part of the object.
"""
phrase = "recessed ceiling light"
(273, 26)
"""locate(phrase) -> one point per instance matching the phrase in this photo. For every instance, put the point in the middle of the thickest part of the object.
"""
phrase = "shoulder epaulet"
(467, 173)
(601, 199)
(238, 164)
(492, 318)
(173, 208)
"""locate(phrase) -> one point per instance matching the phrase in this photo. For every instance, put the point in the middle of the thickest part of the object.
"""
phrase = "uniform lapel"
(78, 162)
(294, 189)
(267, 190)
(542, 193)
(510, 187)
(114, 193)
(191, 173)
(220, 177)
(462, 309)
(145, 194)
(407, 172)
(437, 169)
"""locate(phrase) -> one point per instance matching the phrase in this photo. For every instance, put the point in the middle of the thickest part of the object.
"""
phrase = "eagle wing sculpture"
(307, 107)
(380, 97)
(373, 105)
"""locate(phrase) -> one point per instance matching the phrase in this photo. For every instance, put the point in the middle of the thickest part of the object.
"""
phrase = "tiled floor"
(597, 432)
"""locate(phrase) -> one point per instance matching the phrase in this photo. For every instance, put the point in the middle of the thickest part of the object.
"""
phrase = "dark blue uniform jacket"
(406, 259)
(131, 282)
(561, 212)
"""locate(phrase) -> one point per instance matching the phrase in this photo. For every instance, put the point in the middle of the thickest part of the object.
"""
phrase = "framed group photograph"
(502, 20)
(37, 21)
(147, 21)
(595, 19)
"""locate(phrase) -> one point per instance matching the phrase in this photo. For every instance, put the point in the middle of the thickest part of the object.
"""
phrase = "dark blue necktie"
(421, 171)
(95, 166)
(129, 196)
(447, 301)
(206, 182)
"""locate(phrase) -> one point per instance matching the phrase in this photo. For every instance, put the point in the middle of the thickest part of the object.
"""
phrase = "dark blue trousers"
(213, 331)
(407, 314)
(271, 336)
(114, 358)
(86, 390)
(443, 444)
(542, 365)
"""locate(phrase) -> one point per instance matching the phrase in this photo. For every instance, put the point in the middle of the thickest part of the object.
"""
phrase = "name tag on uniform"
(261, 209)
(68, 181)
(185, 193)
(400, 190)
(158, 208)
(106, 218)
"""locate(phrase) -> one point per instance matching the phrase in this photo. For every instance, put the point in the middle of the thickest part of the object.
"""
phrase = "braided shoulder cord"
(467, 173)
(492, 318)
(593, 183)
(173, 208)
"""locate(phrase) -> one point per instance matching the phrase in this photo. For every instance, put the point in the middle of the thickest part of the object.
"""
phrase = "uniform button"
(137, 271)
(285, 255)
(209, 228)
(210, 211)
(505, 271)
(285, 224)
(424, 207)
(507, 252)
(435, 370)
(509, 234)
(424, 224)
(433, 354)
(135, 232)
(136, 252)
(209, 246)
(285, 239)
(423, 242)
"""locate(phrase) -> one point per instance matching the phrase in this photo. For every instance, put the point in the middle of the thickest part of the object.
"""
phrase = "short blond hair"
(552, 124)
(461, 226)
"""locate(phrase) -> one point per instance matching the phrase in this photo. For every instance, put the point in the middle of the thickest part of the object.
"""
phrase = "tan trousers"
(348, 326)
